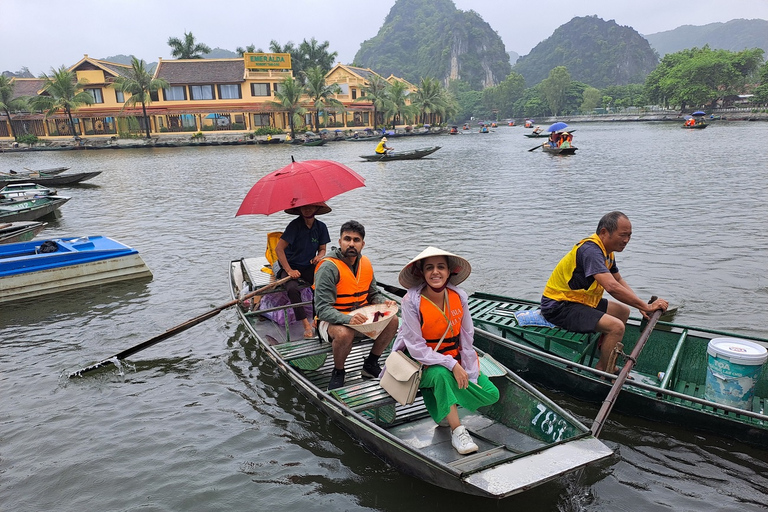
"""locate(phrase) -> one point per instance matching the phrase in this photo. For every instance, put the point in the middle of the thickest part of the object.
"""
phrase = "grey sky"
(41, 34)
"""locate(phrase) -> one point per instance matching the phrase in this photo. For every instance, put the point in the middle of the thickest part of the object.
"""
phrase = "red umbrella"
(299, 184)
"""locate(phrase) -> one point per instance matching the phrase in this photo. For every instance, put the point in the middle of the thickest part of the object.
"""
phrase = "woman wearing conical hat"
(437, 331)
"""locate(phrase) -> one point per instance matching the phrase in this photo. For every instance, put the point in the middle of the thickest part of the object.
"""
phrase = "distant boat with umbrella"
(695, 121)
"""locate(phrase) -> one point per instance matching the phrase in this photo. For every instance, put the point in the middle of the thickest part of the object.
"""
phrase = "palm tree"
(427, 99)
(320, 93)
(62, 91)
(188, 48)
(140, 83)
(248, 49)
(375, 92)
(398, 106)
(8, 103)
(311, 53)
(289, 98)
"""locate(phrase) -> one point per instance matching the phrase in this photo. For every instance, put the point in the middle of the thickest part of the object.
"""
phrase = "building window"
(229, 92)
(260, 90)
(354, 94)
(119, 96)
(277, 88)
(201, 92)
(175, 93)
(260, 119)
(344, 89)
(96, 95)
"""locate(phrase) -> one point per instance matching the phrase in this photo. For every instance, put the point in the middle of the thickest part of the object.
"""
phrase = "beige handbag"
(402, 375)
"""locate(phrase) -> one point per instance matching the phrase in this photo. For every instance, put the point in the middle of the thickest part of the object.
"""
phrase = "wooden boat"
(24, 231)
(49, 180)
(525, 439)
(314, 142)
(49, 170)
(411, 154)
(31, 209)
(23, 191)
(26, 271)
(700, 125)
(536, 135)
(559, 150)
(669, 380)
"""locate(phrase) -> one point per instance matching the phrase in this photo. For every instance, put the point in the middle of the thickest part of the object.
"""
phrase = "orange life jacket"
(434, 322)
(352, 289)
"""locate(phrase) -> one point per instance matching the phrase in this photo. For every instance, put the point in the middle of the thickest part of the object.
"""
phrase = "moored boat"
(22, 191)
(23, 231)
(559, 150)
(524, 439)
(49, 180)
(31, 269)
(673, 381)
(49, 170)
(30, 209)
(411, 154)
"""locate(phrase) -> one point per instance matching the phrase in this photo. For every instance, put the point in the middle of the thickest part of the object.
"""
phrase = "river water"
(203, 422)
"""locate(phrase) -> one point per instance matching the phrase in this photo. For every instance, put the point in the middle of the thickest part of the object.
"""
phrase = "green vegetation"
(187, 48)
(140, 84)
(62, 92)
(700, 76)
(307, 55)
(27, 138)
(268, 130)
(320, 93)
(289, 98)
(8, 103)
(734, 36)
(432, 103)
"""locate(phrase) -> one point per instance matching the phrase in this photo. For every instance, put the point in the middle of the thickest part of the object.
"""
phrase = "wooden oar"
(605, 409)
(175, 330)
(537, 147)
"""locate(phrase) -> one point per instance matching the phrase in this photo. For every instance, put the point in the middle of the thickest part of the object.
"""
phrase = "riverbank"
(664, 116)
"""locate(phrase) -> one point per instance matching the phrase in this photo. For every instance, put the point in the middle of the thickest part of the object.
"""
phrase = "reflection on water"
(202, 420)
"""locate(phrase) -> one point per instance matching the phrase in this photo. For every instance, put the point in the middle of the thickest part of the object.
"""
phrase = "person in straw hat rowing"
(382, 147)
(437, 331)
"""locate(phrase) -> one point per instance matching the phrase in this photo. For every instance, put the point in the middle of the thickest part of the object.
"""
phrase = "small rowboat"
(49, 180)
(671, 380)
(411, 154)
(559, 150)
(31, 209)
(28, 269)
(525, 439)
(24, 231)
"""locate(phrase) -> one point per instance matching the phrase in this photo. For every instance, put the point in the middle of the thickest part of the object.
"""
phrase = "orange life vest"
(351, 290)
(434, 322)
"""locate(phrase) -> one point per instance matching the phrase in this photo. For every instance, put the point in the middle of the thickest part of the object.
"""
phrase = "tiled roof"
(365, 73)
(117, 69)
(27, 86)
(201, 71)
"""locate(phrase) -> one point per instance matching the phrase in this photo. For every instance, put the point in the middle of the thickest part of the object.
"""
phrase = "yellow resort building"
(203, 95)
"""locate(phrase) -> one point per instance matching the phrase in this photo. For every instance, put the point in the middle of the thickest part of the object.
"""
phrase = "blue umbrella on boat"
(557, 127)
(699, 113)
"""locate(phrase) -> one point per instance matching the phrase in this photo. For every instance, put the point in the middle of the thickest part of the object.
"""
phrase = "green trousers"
(440, 391)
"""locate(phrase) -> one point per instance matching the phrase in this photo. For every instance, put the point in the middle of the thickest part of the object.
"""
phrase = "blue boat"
(31, 269)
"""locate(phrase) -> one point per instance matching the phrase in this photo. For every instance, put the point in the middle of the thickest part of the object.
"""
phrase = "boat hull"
(413, 154)
(53, 180)
(34, 275)
(32, 209)
(20, 231)
(559, 151)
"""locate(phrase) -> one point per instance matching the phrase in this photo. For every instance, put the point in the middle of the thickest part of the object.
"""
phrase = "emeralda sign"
(267, 60)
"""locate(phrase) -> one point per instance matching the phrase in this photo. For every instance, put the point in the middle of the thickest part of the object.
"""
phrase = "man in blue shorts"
(573, 297)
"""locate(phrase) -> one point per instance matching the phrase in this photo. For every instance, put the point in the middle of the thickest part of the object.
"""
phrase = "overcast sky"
(41, 34)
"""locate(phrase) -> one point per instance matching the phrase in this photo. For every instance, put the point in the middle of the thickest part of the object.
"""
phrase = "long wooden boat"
(24, 231)
(669, 380)
(525, 439)
(49, 170)
(411, 154)
(559, 151)
(31, 209)
(26, 271)
(314, 142)
(49, 180)
(22, 191)
(536, 135)
(698, 126)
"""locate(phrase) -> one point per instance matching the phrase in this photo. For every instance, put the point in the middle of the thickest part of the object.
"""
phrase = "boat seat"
(489, 310)
(298, 349)
(368, 398)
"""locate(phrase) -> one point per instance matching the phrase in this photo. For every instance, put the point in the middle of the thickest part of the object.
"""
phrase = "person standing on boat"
(300, 247)
(344, 282)
(437, 331)
(382, 148)
(573, 296)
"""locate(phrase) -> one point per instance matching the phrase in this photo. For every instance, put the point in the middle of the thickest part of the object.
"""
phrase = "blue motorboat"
(31, 269)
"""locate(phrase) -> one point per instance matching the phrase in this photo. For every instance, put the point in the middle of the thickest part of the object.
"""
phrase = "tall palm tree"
(140, 84)
(427, 99)
(320, 92)
(312, 53)
(289, 98)
(248, 49)
(62, 91)
(398, 106)
(8, 103)
(375, 92)
(188, 48)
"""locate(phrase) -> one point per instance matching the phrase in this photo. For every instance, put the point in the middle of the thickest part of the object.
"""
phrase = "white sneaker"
(461, 441)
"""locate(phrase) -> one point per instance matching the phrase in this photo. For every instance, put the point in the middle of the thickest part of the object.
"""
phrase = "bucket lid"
(738, 351)
(370, 328)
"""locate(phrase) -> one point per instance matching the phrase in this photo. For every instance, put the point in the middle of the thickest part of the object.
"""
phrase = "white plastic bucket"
(734, 365)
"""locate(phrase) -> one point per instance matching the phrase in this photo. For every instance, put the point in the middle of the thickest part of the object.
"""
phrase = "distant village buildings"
(208, 95)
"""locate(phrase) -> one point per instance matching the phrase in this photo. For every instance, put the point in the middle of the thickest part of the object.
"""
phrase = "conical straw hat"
(411, 274)
(370, 328)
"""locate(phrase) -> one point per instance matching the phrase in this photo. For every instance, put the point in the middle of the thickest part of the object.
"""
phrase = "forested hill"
(431, 38)
(735, 35)
(596, 52)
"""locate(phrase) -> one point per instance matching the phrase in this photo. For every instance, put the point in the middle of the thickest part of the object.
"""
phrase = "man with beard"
(344, 282)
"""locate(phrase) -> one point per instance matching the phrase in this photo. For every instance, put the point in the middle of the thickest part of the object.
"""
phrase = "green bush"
(164, 129)
(238, 126)
(27, 138)
(198, 135)
(268, 130)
